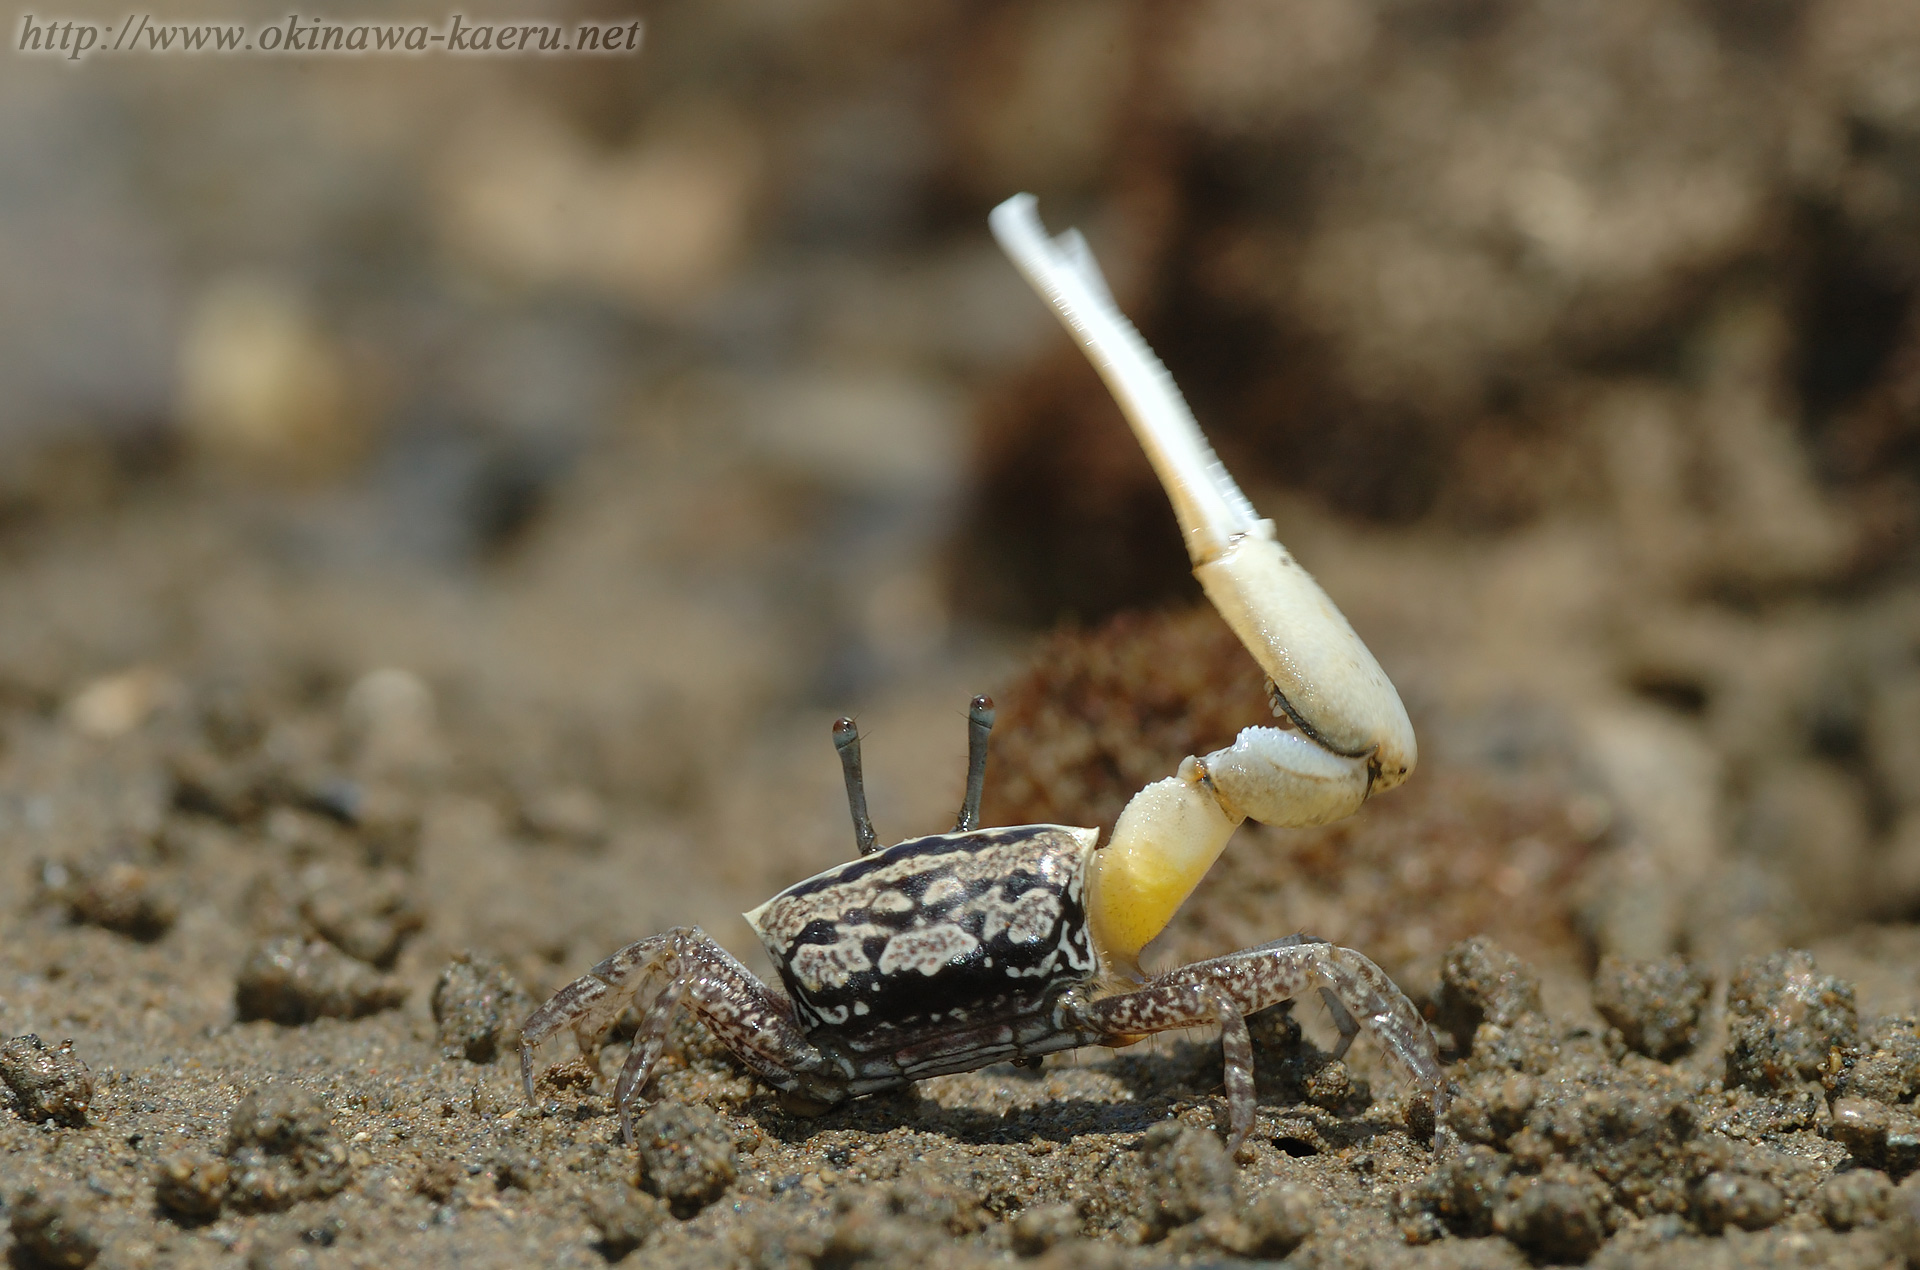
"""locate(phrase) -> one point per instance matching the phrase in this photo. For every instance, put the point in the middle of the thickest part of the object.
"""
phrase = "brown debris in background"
(1456, 851)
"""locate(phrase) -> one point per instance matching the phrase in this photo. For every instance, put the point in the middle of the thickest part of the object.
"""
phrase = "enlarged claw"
(1326, 679)
(1329, 682)
(1212, 511)
(1352, 735)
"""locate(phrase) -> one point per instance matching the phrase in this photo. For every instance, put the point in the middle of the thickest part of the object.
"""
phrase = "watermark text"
(141, 34)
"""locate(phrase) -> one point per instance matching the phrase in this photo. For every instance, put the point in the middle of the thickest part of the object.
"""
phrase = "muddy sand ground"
(287, 918)
(416, 583)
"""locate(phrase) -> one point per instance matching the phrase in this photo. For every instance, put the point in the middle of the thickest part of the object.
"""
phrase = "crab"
(951, 952)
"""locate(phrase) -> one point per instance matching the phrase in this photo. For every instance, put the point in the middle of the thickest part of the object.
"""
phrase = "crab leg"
(658, 975)
(1226, 989)
(1347, 734)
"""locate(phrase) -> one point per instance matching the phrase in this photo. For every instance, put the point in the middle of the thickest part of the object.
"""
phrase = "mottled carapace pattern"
(949, 927)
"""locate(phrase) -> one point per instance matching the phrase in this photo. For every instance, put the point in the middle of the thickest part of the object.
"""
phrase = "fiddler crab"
(952, 952)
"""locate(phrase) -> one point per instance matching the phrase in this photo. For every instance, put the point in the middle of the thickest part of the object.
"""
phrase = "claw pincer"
(948, 953)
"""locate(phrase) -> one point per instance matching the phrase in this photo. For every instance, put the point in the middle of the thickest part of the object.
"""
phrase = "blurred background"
(557, 445)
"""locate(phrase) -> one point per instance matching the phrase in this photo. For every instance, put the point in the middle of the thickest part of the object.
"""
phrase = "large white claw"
(1358, 739)
(1213, 513)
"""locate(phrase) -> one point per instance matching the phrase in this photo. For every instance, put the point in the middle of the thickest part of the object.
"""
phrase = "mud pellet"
(282, 1149)
(1481, 982)
(625, 1217)
(1889, 1071)
(1189, 1173)
(437, 1180)
(516, 1170)
(1786, 1019)
(1655, 1004)
(1279, 1219)
(478, 1006)
(1856, 1197)
(1903, 1220)
(47, 1084)
(292, 981)
(368, 916)
(1333, 1087)
(52, 1231)
(686, 1155)
(1555, 1218)
(1734, 1199)
(190, 1185)
(126, 899)
(1040, 1228)
(1873, 1133)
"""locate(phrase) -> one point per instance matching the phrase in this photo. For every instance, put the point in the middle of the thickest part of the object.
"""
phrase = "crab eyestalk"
(846, 739)
(979, 728)
(1350, 734)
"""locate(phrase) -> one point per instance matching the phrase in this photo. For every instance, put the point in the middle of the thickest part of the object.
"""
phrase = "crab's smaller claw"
(1347, 734)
